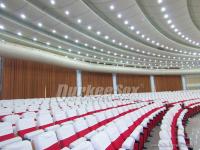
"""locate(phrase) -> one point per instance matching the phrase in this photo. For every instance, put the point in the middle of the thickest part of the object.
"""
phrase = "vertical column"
(152, 82)
(183, 82)
(79, 82)
(114, 77)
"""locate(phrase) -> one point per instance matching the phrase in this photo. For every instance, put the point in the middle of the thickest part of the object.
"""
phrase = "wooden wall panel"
(27, 79)
(96, 80)
(140, 82)
(168, 83)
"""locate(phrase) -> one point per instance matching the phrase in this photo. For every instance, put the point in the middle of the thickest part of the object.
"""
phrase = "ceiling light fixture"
(112, 7)
(23, 16)
(2, 5)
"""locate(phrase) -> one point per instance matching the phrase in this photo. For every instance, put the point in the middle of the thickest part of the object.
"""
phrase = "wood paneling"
(168, 83)
(27, 79)
(139, 83)
(94, 80)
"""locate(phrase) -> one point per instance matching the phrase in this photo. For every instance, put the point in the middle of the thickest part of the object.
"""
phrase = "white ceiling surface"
(95, 49)
(130, 11)
(178, 13)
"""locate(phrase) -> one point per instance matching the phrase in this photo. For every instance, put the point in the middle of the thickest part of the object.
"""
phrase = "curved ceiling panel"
(172, 19)
(130, 34)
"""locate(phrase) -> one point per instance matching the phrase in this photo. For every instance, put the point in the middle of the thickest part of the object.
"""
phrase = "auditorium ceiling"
(150, 34)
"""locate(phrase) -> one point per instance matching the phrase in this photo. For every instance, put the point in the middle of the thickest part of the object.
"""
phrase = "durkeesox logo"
(64, 90)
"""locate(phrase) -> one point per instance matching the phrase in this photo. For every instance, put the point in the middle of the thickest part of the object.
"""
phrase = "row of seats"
(95, 122)
(129, 129)
(28, 125)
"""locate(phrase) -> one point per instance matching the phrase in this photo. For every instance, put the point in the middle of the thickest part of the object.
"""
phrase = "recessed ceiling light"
(132, 27)
(2, 5)
(34, 39)
(166, 16)
(176, 30)
(160, 1)
(79, 21)
(52, 2)
(143, 36)
(40, 24)
(89, 27)
(48, 43)
(172, 26)
(86, 44)
(23, 16)
(137, 32)
(112, 7)
(19, 33)
(169, 21)
(163, 9)
(66, 36)
(119, 15)
(98, 33)
(54, 31)
(76, 41)
(113, 41)
(2, 27)
(67, 12)
(106, 37)
(126, 22)
(94, 47)
(59, 47)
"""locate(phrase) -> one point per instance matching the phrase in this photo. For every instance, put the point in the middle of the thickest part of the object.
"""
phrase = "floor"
(193, 130)
(153, 140)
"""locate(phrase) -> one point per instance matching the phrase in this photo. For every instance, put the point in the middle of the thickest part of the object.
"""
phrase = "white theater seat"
(85, 145)
(66, 135)
(26, 128)
(11, 118)
(100, 141)
(23, 145)
(59, 116)
(6, 134)
(71, 113)
(46, 122)
(46, 140)
(29, 115)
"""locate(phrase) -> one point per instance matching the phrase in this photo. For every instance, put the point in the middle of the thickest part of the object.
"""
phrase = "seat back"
(71, 113)
(80, 124)
(29, 115)
(46, 141)
(11, 118)
(100, 141)
(22, 145)
(83, 146)
(44, 121)
(25, 125)
(66, 134)
(6, 131)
